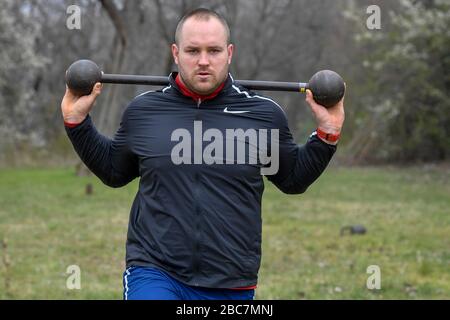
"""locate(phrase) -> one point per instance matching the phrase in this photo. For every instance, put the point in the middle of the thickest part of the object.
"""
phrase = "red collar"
(185, 90)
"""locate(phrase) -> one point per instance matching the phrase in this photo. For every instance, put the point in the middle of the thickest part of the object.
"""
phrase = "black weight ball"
(327, 87)
(82, 75)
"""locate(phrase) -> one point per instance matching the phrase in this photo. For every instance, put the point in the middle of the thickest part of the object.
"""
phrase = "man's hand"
(75, 108)
(329, 120)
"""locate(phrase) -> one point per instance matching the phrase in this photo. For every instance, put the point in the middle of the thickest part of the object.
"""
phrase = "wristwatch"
(328, 136)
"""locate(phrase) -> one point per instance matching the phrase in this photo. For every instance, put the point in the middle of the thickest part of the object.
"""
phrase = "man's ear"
(175, 53)
(230, 50)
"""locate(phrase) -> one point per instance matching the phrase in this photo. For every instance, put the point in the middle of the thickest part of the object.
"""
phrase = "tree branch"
(116, 19)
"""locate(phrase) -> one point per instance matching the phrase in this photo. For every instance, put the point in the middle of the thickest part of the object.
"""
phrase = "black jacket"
(201, 222)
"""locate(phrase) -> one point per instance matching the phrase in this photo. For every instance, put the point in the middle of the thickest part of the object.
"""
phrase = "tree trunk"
(108, 112)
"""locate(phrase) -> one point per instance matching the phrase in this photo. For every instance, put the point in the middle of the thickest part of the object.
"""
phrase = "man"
(195, 224)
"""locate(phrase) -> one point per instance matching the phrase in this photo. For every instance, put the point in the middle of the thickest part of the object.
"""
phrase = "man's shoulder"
(148, 98)
(145, 101)
(149, 95)
(256, 98)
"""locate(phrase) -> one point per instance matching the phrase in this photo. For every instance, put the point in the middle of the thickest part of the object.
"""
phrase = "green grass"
(49, 223)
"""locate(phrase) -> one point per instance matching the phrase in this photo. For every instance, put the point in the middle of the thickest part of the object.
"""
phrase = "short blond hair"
(202, 14)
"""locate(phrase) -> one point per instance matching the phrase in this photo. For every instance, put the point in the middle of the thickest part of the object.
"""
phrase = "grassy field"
(48, 223)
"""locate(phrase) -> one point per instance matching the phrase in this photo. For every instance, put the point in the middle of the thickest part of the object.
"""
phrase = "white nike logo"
(229, 111)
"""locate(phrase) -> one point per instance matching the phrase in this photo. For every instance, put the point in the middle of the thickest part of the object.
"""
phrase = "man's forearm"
(94, 150)
(310, 161)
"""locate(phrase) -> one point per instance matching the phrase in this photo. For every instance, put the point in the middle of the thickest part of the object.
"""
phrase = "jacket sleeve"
(111, 160)
(299, 165)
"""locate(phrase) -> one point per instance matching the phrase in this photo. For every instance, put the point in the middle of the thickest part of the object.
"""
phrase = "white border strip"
(256, 96)
(127, 271)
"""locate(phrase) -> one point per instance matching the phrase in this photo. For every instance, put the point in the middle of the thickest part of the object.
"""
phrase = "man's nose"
(203, 59)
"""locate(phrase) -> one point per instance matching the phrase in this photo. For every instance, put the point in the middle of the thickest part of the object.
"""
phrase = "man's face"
(202, 54)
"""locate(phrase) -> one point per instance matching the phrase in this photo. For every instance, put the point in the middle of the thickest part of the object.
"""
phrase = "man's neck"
(189, 93)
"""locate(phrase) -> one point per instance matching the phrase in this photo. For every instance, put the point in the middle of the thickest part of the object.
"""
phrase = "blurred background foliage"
(397, 102)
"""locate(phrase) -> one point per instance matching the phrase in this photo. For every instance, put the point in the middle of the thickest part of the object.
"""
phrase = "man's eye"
(192, 50)
(214, 50)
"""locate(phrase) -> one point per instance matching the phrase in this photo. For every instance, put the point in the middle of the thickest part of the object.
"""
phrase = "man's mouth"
(204, 76)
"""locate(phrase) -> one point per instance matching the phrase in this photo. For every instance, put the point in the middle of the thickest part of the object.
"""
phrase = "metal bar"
(161, 81)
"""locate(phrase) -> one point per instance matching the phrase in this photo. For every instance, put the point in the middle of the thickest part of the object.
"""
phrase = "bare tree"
(109, 111)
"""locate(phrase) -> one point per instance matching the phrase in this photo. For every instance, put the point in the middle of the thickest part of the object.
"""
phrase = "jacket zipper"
(197, 216)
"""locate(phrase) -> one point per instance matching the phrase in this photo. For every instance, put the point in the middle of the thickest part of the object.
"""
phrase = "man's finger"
(90, 98)
(312, 103)
(97, 89)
